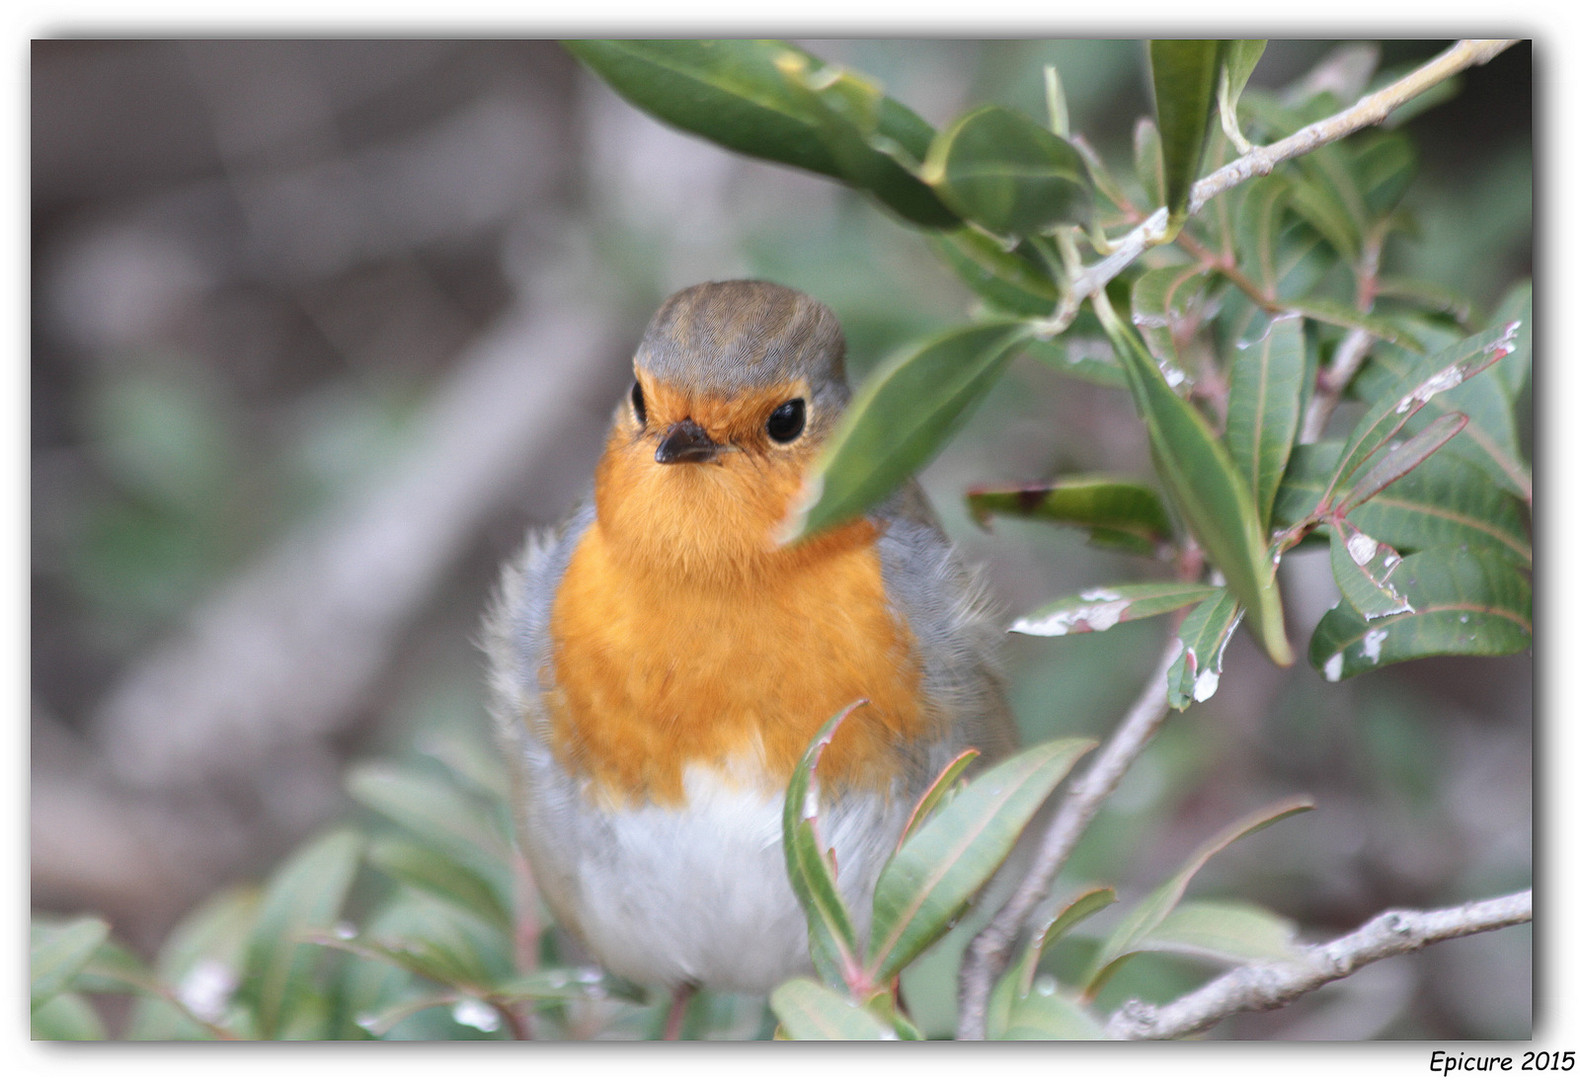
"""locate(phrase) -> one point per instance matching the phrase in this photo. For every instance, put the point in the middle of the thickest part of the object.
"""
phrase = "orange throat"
(682, 638)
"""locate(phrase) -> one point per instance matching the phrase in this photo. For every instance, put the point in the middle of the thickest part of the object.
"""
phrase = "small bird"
(660, 661)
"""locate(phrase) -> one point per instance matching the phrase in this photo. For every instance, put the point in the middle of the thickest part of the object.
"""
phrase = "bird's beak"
(686, 441)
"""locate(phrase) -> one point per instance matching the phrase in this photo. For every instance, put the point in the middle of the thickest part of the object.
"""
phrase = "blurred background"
(321, 328)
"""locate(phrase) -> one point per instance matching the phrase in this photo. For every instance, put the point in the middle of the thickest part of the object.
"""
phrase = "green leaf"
(1207, 489)
(1184, 81)
(66, 1017)
(1009, 280)
(59, 952)
(941, 788)
(1121, 514)
(1009, 174)
(810, 1011)
(1515, 369)
(1046, 1014)
(1431, 296)
(1413, 388)
(432, 871)
(1239, 60)
(303, 895)
(1392, 465)
(1326, 195)
(932, 877)
(1098, 609)
(1205, 633)
(1090, 359)
(1230, 932)
(434, 940)
(753, 97)
(899, 418)
(831, 933)
(1443, 503)
(1362, 568)
(1385, 166)
(1015, 985)
(1148, 152)
(1149, 914)
(1058, 102)
(1258, 224)
(1465, 602)
(202, 959)
(437, 812)
(1336, 314)
(1264, 409)
(1158, 307)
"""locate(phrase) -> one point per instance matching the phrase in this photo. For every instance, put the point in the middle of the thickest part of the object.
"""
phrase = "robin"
(660, 662)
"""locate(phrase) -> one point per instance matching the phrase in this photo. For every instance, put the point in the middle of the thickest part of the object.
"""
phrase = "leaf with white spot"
(1100, 608)
(1120, 514)
(1203, 637)
(1362, 568)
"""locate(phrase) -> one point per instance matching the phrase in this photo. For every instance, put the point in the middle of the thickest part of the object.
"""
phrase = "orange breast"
(655, 671)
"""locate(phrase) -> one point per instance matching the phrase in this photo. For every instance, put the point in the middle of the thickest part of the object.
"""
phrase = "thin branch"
(1259, 987)
(1371, 109)
(989, 950)
(1347, 360)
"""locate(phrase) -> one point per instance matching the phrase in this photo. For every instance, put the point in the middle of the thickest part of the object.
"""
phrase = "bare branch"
(1259, 987)
(1347, 360)
(988, 951)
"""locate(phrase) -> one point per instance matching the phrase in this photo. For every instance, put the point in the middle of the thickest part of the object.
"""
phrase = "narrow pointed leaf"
(1515, 369)
(1208, 490)
(810, 1011)
(59, 952)
(1432, 375)
(1158, 307)
(1119, 514)
(1148, 153)
(1264, 409)
(1203, 636)
(1431, 296)
(1363, 568)
(1229, 932)
(740, 95)
(303, 895)
(1010, 281)
(1184, 82)
(1465, 602)
(1058, 106)
(1098, 609)
(830, 931)
(435, 873)
(202, 959)
(936, 792)
(1016, 984)
(1239, 60)
(1001, 169)
(1392, 465)
(1045, 1014)
(899, 418)
(1384, 167)
(1146, 916)
(932, 878)
(1259, 224)
(65, 1017)
(1336, 314)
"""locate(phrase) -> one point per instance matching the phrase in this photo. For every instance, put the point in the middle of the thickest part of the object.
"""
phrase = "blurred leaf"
(1149, 914)
(1264, 409)
(1515, 369)
(1098, 609)
(1148, 151)
(937, 791)
(203, 960)
(1465, 602)
(739, 94)
(1208, 490)
(1230, 932)
(1258, 223)
(899, 418)
(1326, 194)
(437, 812)
(1336, 314)
(809, 1010)
(1058, 102)
(830, 931)
(433, 872)
(303, 895)
(932, 877)
(1443, 503)
(59, 952)
(1003, 170)
(1393, 464)
(1184, 80)
(1120, 514)
(114, 969)
(1428, 295)
(1047, 1014)
(66, 1018)
(1008, 994)
(1010, 281)
(1385, 165)
(1362, 568)
(1158, 308)
(1413, 387)
(1239, 60)
(1205, 633)
(1090, 359)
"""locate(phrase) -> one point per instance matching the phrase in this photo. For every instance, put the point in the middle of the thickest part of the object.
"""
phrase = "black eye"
(786, 422)
(638, 404)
